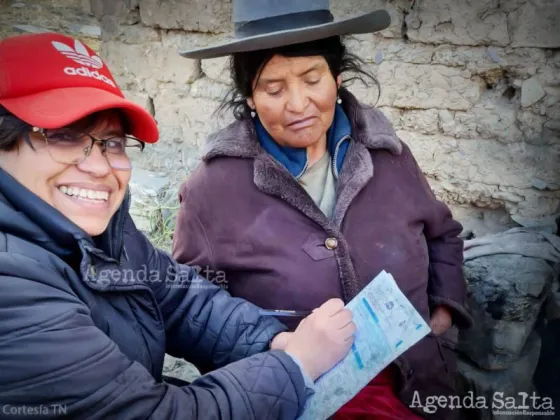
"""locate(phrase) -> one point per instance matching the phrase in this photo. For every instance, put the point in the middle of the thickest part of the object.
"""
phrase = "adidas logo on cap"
(80, 55)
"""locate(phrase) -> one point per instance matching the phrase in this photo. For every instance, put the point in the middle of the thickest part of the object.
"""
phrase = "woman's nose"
(96, 163)
(297, 101)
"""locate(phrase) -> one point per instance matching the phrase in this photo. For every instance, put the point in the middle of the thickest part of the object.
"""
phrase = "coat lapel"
(370, 131)
(272, 178)
(356, 173)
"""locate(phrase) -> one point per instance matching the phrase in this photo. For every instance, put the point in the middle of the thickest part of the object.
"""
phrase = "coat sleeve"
(55, 361)
(204, 324)
(447, 285)
(190, 240)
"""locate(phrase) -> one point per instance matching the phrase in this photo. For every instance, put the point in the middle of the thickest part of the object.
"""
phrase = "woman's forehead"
(298, 66)
(103, 121)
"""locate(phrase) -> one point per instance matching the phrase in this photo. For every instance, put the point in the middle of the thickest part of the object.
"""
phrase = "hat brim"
(60, 107)
(366, 23)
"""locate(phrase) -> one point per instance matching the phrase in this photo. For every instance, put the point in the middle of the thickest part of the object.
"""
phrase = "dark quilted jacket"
(85, 324)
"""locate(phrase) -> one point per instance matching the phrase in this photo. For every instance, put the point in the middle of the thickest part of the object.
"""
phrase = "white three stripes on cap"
(79, 54)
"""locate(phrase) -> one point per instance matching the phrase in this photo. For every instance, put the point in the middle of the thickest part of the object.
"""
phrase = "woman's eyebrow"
(310, 69)
(265, 80)
(112, 133)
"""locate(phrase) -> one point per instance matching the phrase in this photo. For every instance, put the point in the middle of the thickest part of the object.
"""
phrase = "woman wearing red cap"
(81, 334)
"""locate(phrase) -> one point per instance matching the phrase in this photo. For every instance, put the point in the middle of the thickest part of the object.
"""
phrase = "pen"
(280, 312)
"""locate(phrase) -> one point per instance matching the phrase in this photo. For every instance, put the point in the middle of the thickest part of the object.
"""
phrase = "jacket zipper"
(123, 248)
(335, 157)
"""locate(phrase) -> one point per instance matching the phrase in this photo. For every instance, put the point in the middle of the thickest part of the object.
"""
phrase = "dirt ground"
(61, 16)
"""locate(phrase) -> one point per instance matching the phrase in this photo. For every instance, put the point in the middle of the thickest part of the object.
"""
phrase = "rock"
(217, 69)
(545, 224)
(494, 56)
(495, 387)
(519, 62)
(189, 115)
(393, 115)
(488, 162)
(421, 86)
(552, 305)
(194, 15)
(90, 31)
(421, 121)
(148, 183)
(180, 369)
(505, 295)
(29, 29)
(125, 11)
(537, 205)
(140, 98)
(207, 88)
(347, 8)
(552, 125)
(539, 184)
(18, 5)
(160, 63)
(112, 30)
(146, 188)
(85, 5)
(486, 120)
(460, 22)
(446, 120)
(482, 222)
(535, 24)
(531, 92)
(372, 48)
(531, 126)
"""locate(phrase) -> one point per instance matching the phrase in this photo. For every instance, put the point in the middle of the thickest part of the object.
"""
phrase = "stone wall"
(473, 86)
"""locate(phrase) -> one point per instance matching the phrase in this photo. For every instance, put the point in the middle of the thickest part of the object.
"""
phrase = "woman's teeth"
(84, 194)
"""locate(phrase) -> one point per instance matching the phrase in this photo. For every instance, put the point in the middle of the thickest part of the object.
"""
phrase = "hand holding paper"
(323, 338)
(387, 325)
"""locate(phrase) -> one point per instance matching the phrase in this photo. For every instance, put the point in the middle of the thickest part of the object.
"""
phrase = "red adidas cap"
(50, 80)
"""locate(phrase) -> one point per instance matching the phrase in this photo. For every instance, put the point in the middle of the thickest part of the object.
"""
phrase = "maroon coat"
(242, 213)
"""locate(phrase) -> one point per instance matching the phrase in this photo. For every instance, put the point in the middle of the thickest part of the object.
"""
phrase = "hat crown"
(253, 10)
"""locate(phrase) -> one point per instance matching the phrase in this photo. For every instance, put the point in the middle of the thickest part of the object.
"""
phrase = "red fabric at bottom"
(376, 401)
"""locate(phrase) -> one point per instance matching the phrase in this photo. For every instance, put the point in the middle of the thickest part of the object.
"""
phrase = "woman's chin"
(92, 216)
(92, 225)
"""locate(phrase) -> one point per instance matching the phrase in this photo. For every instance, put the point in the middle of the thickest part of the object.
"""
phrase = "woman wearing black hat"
(310, 194)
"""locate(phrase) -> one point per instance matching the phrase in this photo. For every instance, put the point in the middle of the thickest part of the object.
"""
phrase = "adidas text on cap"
(51, 80)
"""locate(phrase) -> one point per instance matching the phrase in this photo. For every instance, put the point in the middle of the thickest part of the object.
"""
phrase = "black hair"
(12, 127)
(246, 67)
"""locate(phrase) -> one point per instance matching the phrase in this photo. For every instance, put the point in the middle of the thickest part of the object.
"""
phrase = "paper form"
(386, 326)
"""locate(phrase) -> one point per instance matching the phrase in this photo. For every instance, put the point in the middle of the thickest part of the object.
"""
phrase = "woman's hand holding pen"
(321, 340)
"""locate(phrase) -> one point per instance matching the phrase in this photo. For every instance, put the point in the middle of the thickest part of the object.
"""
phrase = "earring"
(253, 114)
(338, 100)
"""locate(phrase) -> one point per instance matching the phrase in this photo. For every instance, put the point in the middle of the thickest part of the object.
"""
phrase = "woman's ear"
(251, 103)
(339, 81)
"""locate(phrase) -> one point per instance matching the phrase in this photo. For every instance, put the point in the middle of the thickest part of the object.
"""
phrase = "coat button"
(331, 243)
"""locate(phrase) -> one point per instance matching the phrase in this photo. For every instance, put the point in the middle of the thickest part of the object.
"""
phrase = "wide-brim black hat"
(263, 24)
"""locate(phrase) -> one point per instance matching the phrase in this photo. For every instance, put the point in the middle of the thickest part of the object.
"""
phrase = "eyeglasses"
(72, 147)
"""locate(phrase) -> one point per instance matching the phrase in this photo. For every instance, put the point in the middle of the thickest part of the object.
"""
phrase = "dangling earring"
(338, 100)
(253, 114)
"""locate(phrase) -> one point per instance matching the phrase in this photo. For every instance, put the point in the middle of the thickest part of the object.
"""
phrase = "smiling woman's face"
(295, 98)
(88, 193)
